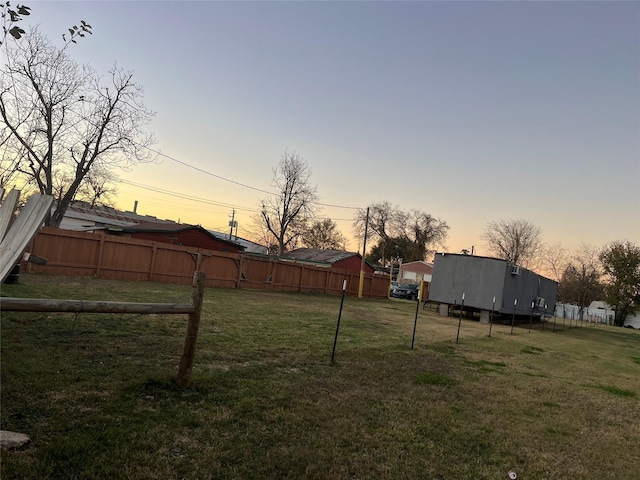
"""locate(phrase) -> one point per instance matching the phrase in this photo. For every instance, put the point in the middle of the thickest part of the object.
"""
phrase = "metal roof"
(418, 262)
(108, 216)
(319, 255)
(250, 247)
(160, 227)
(153, 227)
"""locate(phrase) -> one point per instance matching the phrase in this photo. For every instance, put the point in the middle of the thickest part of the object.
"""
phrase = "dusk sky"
(470, 111)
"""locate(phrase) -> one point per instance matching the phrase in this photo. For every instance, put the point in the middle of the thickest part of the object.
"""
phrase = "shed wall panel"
(521, 287)
(479, 278)
(526, 287)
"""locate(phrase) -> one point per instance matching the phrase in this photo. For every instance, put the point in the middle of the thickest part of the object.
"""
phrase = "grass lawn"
(96, 393)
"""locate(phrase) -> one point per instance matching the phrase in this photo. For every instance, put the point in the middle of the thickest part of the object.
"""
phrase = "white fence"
(598, 315)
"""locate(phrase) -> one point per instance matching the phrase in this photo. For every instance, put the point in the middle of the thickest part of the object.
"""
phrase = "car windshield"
(409, 286)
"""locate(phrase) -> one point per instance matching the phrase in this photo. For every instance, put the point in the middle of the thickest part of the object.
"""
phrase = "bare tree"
(62, 121)
(10, 162)
(580, 283)
(554, 259)
(324, 234)
(385, 220)
(258, 233)
(385, 225)
(96, 190)
(517, 241)
(425, 232)
(287, 213)
(409, 235)
(99, 188)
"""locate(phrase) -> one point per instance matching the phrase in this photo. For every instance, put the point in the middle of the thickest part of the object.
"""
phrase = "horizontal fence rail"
(9, 304)
(194, 311)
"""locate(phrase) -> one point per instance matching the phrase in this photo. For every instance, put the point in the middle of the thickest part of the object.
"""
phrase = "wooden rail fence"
(193, 309)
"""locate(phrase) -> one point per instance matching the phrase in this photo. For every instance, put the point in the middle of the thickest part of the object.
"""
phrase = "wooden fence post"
(300, 278)
(240, 267)
(154, 254)
(186, 361)
(100, 254)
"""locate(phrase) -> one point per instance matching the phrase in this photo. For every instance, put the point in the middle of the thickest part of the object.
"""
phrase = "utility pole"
(232, 223)
(364, 250)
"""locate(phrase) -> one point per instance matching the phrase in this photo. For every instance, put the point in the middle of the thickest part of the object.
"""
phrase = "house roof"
(160, 227)
(250, 247)
(106, 216)
(418, 262)
(507, 262)
(92, 219)
(469, 256)
(154, 227)
(319, 255)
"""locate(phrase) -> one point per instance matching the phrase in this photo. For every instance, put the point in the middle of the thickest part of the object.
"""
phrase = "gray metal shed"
(481, 279)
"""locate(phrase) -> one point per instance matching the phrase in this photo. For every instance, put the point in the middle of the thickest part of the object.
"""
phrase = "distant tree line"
(611, 273)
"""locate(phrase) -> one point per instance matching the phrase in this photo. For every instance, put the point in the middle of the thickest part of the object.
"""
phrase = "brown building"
(177, 234)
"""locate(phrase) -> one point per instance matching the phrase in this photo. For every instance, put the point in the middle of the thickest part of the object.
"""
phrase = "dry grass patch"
(97, 396)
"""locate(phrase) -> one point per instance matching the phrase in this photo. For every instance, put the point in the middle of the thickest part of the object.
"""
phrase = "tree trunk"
(63, 204)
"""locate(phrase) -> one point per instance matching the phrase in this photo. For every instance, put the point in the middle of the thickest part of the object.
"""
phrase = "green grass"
(430, 378)
(616, 390)
(96, 393)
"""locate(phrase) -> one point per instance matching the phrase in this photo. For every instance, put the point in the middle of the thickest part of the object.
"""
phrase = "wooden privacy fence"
(120, 258)
(193, 309)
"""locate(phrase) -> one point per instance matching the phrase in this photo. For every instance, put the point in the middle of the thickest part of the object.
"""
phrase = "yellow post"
(364, 251)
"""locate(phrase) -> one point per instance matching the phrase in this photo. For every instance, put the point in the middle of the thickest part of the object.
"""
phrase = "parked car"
(407, 290)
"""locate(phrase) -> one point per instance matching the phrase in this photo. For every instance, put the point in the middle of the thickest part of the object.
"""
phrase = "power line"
(173, 159)
(204, 200)
(233, 181)
(206, 172)
(187, 197)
